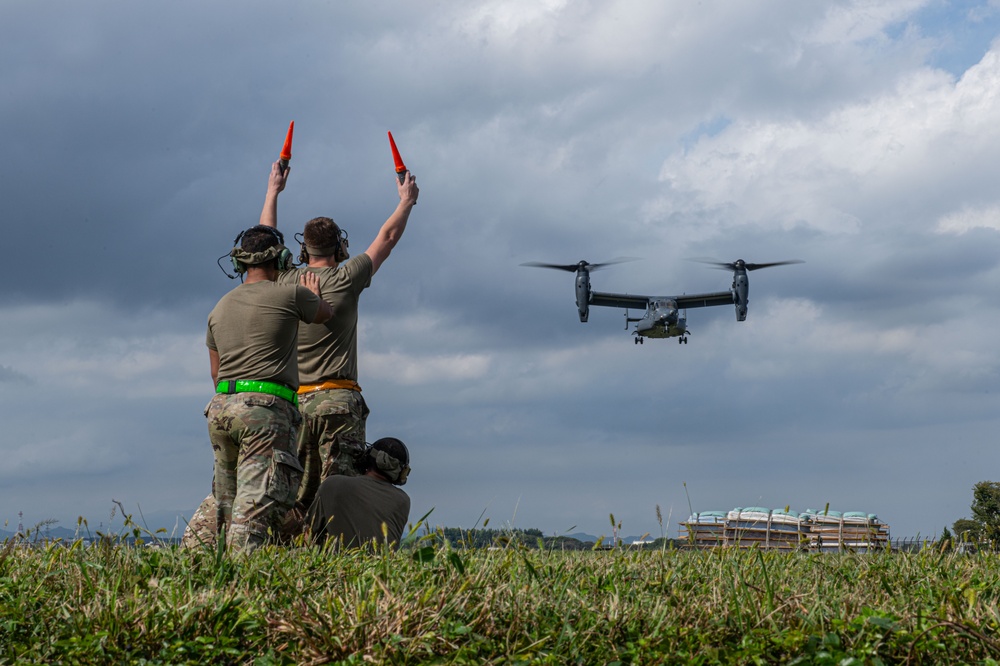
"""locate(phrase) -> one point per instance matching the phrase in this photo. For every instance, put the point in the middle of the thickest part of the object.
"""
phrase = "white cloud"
(969, 218)
(501, 23)
(860, 20)
(415, 370)
(77, 451)
(93, 348)
(835, 173)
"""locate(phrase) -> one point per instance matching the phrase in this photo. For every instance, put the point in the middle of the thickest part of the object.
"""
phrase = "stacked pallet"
(765, 528)
(852, 530)
(783, 529)
(705, 530)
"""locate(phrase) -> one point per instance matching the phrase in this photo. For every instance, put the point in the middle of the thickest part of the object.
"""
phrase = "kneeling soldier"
(368, 509)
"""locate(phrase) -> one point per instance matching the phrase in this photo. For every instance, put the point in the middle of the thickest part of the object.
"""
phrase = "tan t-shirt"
(330, 350)
(353, 508)
(254, 328)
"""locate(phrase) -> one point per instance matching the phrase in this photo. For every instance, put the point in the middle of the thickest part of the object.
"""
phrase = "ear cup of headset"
(341, 254)
(284, 259)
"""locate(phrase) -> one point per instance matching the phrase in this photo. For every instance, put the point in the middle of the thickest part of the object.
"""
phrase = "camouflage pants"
(257, 472)
(332, 437)
(201, 531)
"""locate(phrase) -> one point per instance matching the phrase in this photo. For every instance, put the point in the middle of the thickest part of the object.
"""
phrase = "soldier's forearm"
(269, 214)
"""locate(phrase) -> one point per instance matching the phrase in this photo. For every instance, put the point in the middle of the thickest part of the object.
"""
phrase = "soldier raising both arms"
(332, 439)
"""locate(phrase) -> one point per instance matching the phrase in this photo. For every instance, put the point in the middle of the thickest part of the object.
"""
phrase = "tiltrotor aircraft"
(662, 317)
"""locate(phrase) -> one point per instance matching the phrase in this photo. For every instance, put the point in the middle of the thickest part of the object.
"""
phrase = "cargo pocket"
(285, 476)
(259, 399)
(217, 402)
(332, 406)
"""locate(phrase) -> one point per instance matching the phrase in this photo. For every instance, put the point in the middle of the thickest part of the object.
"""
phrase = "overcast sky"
(860, 137)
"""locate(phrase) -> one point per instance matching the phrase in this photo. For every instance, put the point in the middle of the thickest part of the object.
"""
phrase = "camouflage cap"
(255, 258)
(391, 458)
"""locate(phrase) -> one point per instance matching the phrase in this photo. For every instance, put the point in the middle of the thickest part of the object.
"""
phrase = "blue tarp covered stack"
(705, 529)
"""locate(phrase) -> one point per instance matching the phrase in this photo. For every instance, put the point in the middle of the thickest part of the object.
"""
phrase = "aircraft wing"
(628, 301)
(704, 300)
(639, 302)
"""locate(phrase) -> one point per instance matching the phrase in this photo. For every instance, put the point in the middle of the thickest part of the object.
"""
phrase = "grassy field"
(436, 604)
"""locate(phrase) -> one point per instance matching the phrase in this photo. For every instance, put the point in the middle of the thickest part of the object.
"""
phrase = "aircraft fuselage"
(662, 320)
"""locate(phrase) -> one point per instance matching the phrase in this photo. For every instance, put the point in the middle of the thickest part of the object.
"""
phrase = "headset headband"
(322, 251)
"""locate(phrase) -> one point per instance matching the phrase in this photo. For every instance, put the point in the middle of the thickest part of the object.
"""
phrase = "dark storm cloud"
(11, 376)
(140, 130)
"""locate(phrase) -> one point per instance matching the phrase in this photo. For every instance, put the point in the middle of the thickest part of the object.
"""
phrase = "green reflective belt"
(248, 386)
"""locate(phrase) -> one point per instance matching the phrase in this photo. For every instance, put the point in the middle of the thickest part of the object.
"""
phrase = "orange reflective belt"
(332, 384)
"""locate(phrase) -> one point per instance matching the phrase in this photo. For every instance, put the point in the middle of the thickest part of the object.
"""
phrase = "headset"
(339, 251)
(238, 257)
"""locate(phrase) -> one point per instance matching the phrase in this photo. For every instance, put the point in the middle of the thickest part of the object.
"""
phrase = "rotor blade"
(753, 267)
(611, 262)
(562, 267)
(732, 265)
(715, 263)
(582, 264)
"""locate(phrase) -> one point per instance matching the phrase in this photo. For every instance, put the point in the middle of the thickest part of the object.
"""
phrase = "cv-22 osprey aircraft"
(663, 317)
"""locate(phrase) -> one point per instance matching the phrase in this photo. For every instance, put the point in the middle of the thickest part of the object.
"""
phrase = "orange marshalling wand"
(286, 150)
(400, 167)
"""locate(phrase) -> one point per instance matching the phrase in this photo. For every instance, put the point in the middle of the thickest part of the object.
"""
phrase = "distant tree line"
(484, 538)
(532, 538)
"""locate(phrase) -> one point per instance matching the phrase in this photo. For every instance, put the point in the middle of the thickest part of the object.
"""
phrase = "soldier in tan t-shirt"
(366, 510)
(332, 438)
(253, 419)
